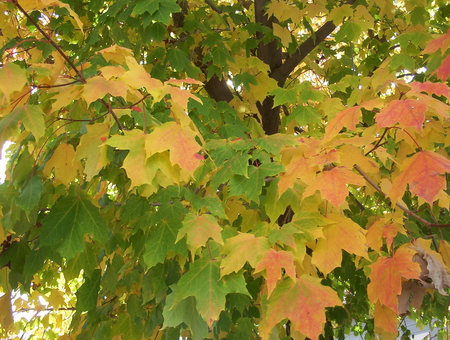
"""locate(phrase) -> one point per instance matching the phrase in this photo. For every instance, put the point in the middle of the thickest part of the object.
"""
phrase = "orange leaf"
(443, 72)
(302, 302)
(332, 184)
(343, 235)
(97, 87)
(347, 118)
(273, 261)
(383, 228)
(407, 112)
(297, 168)
(438, 89)
(443, 42)
(424, 173)
(179, 140)
(386, 277)
(385, 318)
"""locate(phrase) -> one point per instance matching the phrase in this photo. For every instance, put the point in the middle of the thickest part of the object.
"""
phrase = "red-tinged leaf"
(272, 262)
(180, 82)
(91, 150)
(137, 77)
(181, 97)
(297, 168)
(343, 235)
(439, 89)
(303, 302)
(179, 140)
(97, 87)
(332, 184)
(384, 228)
(240, 249)
(198, 230)
(443, 72)
(385, 318)
(407, 112)
(386, 277)
(347, 118)
(443, 42)
(424, 173)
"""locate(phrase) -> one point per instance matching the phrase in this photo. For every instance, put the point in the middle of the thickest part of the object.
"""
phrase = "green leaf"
(252, 186)
(67, 223)
(178, 59)
(350, 31)
(283, 96)
(161, 240)
(184, 312)
(128, 327)
(305, 115)
(31, 194)
(87, 294)
(203, 282)
(142, 6)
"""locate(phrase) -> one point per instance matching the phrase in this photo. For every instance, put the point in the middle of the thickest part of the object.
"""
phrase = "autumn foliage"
(224, 169)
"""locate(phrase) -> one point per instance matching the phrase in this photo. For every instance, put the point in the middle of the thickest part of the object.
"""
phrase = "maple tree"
(224, 169)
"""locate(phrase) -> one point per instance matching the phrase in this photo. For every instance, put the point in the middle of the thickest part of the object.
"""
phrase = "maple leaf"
(424, 173)
(240, 249)
(408, 112)
(332, 184)
(443, 71)
(66, 167)
(66, 224)
(12, 78)
(97, 87)
(302, 302)
(179, 140)
(6, 317)
(198, 230)
(301, 168)
(342, 235)
(385, 318)
(272, 262)
(386, 277)
(347, 118)
(385, 228)
(441, 43)
(139, 171)
(91, 148)
(185, 312)
(203, 281)
(438, 89)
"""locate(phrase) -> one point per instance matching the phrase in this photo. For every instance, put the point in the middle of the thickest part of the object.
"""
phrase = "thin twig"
(401, 206)
(108, 106)
(55, 45)
(213, 6)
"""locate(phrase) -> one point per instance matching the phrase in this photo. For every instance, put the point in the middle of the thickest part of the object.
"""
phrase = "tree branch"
(281, 73)
(55, 45)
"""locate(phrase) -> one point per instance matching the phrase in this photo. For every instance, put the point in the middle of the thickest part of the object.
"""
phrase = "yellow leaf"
(343, 235)
(97, 87)
(12, 78)
(6, 318)
(179, 140)
(282, 33)
(64, 163)
(91, 149)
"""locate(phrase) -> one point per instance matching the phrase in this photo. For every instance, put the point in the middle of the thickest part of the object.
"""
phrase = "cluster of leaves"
(234, 170)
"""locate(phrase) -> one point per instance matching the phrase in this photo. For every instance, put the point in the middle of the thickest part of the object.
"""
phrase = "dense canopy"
(224, 169)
